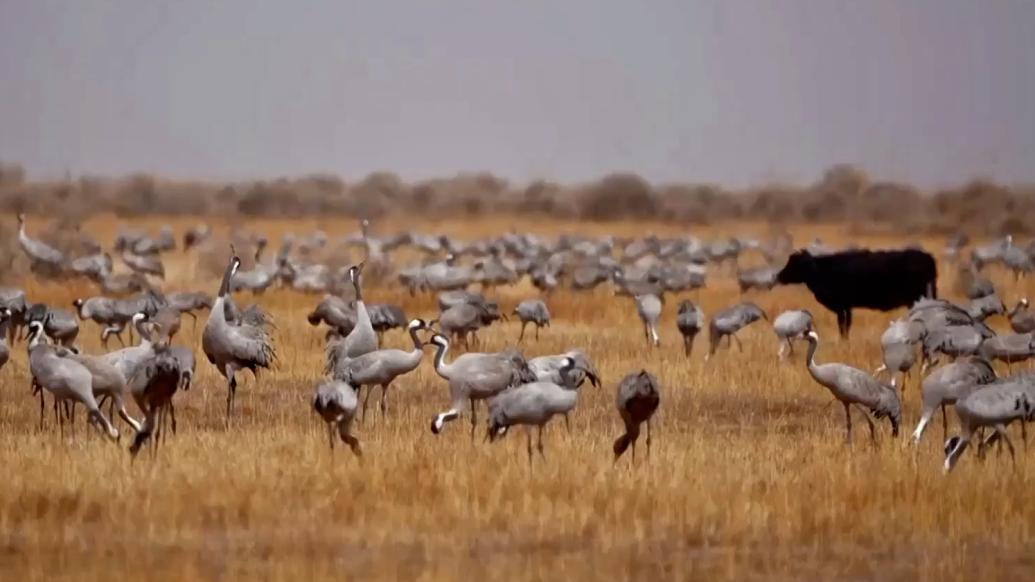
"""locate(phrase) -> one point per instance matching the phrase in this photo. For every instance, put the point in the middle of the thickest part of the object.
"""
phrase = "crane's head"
(5, 313)
(812, 336)
(36, 334)
(1024, 301)
(138, 317)
(21, 218)
(417, 324)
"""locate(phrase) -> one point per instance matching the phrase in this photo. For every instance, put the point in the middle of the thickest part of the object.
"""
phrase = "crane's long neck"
(440, 360)
(224, 286)
(358, 290)
(417, 344)
(810, 357)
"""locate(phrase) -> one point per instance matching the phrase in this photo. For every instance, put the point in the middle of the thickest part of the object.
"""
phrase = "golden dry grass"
(749, 477)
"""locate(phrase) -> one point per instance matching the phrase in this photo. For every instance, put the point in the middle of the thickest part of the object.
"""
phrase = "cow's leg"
(848, 322)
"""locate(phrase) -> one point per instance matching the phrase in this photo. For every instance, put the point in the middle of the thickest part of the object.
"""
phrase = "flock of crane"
(518, 391)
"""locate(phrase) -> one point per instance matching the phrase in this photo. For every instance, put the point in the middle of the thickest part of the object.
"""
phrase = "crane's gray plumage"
(60, 325)
(534, 404)
(689, 321)
(995, 406)
(153, 385)
(639, 395)
(532, 311)
(953, 341)
(476, 376)
(233, 346)
(362, 339)
(898, 346)
(1011, 348)
(336, 402)
(731, 320)
(1022, 320)
(852, 387)
(42, 256)
(547, 368)
(946, 385)
(64, 377)
(382, 367)
(984, 307)
(648, 307)
(789, 326)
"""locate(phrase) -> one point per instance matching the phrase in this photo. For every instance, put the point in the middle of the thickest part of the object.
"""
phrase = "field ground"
(748, 479)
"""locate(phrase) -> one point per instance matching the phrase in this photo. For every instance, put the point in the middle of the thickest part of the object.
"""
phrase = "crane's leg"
(522, 336)
(880, 370)
(474, 419)
(779, 350)
(790, 347)
(384, 400)
(848, 424)
(567, 423)
(528, 446)
(945, 424)
(347, 438)
(925, 418)
(537, 327)
(539, 444)
(330, 435)
(366, 398)
(648, 439)
(1003, 437)
(869, 421)
(230, 392)
(740, 346)
(42, 410)
(172, 416)
(194, 327)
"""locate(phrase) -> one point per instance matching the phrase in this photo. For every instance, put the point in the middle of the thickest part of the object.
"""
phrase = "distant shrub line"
(844, 194)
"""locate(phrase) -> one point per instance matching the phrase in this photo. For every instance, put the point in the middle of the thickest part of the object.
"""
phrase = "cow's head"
(797, 270)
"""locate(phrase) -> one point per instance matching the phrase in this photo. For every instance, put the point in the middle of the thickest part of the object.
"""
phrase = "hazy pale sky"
(730, 91)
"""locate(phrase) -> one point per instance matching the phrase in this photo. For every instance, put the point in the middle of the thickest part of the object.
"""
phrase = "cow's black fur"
(880, 280)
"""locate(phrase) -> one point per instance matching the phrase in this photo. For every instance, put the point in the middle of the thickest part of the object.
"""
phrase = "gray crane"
(13, 299)
(189, 303)
(995, 406)
(689, 321)
(547, 368)
(729, 321)
(64, 377)
(854, 387)
(534, 404)
(639, 395)
(60, 325)
(153, 386)
(898, 346)
(1022, 320)
(385, 317)
(233, 346)
(463, 320)
(953, 341)
(1011, 348)
(648, 307)
(336, 402)
(984, 307)
(150, 264)
(476, 376)
(946, 385)
(382, 367)
(532, 311)
(362, 339)
(760, 278)
(5, 325)
(43, 258)
(789, 326)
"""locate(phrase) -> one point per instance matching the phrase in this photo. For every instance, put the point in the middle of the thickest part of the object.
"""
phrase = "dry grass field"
(749, 476)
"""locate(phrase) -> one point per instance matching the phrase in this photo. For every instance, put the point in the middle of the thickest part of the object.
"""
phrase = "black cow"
(880, 280)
